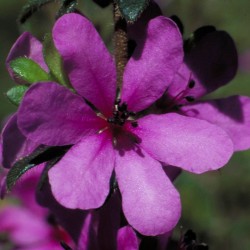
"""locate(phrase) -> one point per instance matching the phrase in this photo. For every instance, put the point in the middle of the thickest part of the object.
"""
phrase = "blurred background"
(215, 205)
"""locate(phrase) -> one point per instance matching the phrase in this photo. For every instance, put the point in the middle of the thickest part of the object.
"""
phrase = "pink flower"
(25, 223)
(210, 64)
(112, 140)
(15, 144)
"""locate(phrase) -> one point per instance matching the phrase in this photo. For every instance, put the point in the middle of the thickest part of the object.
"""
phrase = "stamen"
(102, 130)
(121, 114)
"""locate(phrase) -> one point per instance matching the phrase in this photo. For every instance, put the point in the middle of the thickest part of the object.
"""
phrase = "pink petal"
(150, 202)
(15, 144)
(87, 239)
(126, 239)
(81, 178)
(87, 61)
(212, 63)
(153, 65)
(52, 115)
(3, 184)
(231, 114)
(25, 189)
(71, 220)
(22, 226)
(191, 144)
(26, 46)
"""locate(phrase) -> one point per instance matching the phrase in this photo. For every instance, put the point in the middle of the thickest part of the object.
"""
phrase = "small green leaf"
(54, 61)
(22, 166)
(28, 70)
(38, 156)
(30, 8)
(15, 173)
(132, 9)
(68, 6)
(16, 94)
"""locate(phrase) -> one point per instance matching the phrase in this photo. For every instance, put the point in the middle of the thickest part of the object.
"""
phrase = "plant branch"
(121, 46)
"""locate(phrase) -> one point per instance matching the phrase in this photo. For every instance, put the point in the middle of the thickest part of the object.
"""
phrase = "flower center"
(121, 115)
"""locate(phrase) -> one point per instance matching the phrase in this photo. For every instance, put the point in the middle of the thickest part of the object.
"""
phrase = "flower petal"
(231, 114)
(52, 115)
(26, 46)
(81, 178)
(126, 239)
(23, 227)
(152, 67)
(87, 61)
(212, 63)
(15, 144)
(191, 144)
(72, 220)
(150, 202)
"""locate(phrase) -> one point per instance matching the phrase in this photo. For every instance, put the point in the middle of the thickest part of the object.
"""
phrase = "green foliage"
(30, 8)
(16, 94)
(132, 9)
(40, 155)
(68, 6)
(28, 70)
(54, 61)
(22, 166)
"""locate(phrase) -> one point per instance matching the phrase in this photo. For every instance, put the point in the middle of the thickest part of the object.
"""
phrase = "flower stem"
(121, 46)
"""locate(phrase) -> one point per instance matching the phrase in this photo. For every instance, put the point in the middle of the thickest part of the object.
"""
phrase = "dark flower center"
(121, 115)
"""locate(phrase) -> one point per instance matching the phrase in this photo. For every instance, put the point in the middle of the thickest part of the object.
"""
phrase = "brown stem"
(121, 46)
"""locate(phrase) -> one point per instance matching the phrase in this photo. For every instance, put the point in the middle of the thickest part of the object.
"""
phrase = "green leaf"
(16, 94)
(22, 166)
(68, 6)
(28, 70)
(30, 8)
(38, 156)
(132, 9)
(15, 173)
(54, 61)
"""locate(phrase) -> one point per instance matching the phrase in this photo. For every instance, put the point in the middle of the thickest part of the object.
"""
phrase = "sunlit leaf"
(28, 70)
